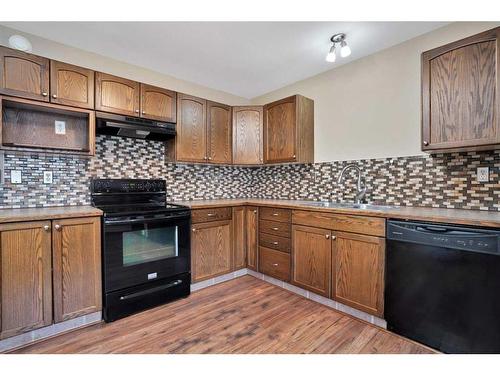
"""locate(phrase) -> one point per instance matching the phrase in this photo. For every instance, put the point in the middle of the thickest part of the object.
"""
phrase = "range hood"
(133, 127)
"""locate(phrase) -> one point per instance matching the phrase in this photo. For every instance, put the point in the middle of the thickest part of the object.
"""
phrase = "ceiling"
(247, 59)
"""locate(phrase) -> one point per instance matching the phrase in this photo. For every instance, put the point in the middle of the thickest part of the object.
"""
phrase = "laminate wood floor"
(245, 315)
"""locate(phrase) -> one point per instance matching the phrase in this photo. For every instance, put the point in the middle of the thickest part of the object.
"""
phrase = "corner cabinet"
(219, 133)
(191, 140)
(460, 95)
(289, 130)
(247, 135)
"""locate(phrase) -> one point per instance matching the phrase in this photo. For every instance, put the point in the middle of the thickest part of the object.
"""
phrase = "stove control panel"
(110, 186)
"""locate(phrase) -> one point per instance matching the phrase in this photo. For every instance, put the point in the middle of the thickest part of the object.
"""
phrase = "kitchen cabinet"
(461, 95)
(24, 75)
(252, 233)
(358, 271)
(311, 259)
(211, 249)
(289, 130)
(219, 133)
(247, 135)
(239, 237)
(274, 263)
(25, 277)
(191, 140)
(158, 103)
(117, 95)
(71, 85)
(77, 267)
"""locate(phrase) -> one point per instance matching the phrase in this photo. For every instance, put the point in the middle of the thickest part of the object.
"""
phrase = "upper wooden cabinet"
(191, 140)
(289, 130)
(247, 135)
(158, 104)
(219, 133)
(116, 95)
(460, 94)
(71, 85)
(77, 267)
(25, 277)
(24, 75)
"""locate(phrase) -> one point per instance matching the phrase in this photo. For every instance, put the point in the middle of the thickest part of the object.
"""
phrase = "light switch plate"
(15, 177)
(483, 174)
(47, 177)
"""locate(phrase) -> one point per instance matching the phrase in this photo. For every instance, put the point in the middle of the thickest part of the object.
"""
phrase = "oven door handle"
(150, 291)
(133, 221)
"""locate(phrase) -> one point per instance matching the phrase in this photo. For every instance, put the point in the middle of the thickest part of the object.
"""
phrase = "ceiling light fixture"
(345, 50)
(20, 43)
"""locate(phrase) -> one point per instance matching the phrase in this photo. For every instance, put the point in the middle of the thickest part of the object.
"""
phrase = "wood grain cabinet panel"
(460, 94)
(116, 94)
(358, 271)
(252, 233)
(71, 85)
(158, 103)
(24, 75)
(289, 130)
(25, 277)
(274, 263)
(211, 214)
(247, 135)
(311, 259)
(211, 249)
(191, 140)
(219, 133)
(239, 238)
(77, 267)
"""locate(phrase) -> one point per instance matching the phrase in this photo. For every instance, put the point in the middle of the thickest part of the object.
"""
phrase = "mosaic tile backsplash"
(443, 180)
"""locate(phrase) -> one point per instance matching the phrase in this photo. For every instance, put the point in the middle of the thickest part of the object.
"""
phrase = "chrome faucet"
(360, 195)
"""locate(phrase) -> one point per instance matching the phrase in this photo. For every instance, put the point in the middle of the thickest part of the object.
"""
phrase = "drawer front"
(274, 263)
(276, 214)
(373, 226)
(275, 228)
(275, 242)
(211, 214)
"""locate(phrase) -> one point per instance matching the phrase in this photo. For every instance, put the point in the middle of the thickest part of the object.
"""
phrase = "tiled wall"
(442, 181)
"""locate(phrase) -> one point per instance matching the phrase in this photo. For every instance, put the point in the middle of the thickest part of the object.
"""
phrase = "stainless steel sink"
(361, 206)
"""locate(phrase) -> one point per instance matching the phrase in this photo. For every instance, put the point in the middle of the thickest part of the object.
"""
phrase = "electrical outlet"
(483, 174)
(15, 177)
(47, 177)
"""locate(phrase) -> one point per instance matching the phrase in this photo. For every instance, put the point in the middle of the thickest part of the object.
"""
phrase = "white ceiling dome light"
(20, 43)
(345, 50)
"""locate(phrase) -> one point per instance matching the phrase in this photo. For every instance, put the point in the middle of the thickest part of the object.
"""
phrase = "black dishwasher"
(443, 285)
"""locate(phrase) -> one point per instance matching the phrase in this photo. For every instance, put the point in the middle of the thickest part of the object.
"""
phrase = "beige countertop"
(444, 215)
(12, 215)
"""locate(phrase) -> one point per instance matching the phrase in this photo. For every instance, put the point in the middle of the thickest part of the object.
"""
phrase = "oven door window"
(149, 245)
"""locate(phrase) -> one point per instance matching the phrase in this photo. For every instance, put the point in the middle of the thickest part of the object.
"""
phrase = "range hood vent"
(133, 127)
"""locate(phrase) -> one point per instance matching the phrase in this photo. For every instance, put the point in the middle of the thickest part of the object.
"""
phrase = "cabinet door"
(358, 271)
(460, 94)
(211, 249)
(239, 238)
(25, 277)
(77, 267)
(280, 131)
(71, 85)
(116, 95)
(247, 135)
(252, 230)
(219, 133)
(191, 140)
(24, 75)
(311, 259)
(158, 104)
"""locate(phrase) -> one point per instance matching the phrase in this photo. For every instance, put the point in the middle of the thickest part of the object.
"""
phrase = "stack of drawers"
(275, 243)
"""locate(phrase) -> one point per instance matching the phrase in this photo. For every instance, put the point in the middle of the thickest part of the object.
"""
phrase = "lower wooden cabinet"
(211, 249)
(358, 271)
(274, 263)
(239, 238)
(252, 232)
(76, 258)
(25, 277)
(311, 259)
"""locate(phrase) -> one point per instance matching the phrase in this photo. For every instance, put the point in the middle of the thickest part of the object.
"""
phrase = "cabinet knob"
(194, 229)
(275, 228)
(275, 264)
(334, 238)
(209, 158)
(275, 214)
(254, 211)
(327, 236)
(44, 94)
(136, 111)
(275, 243)
(54, 96)
(143, 112)
(426, 143)
(294, 156)
(58, 227)
(46, 228)
(210, 214)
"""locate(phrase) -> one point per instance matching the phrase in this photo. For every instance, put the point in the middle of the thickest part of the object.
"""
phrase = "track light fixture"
(345, 50)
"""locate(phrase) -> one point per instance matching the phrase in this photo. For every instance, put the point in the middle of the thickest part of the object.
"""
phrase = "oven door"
(138, 251)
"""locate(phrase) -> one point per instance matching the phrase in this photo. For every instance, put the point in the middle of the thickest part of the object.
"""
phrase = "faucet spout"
(361, 187)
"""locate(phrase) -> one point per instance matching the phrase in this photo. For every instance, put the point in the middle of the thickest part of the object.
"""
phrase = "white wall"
(370, 108)
(57, 51)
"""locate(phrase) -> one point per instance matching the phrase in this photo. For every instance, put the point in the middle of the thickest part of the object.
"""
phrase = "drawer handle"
(46, 228)
(327, 236)
(275, 264)
(275, 214)
(58, 227)
(276, 228)
(210, 215)
(275, 242)
(334, 238)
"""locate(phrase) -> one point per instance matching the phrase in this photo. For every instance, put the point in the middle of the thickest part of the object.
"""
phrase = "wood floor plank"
(245, 315)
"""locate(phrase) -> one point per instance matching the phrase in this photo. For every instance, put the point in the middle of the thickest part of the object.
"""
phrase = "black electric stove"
(146, 245)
